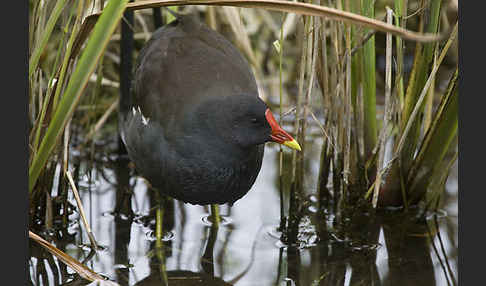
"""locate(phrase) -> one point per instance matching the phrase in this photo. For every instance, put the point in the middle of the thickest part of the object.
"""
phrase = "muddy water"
(388, 249)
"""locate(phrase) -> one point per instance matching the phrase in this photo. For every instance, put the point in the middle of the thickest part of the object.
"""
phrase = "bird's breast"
(202, 177)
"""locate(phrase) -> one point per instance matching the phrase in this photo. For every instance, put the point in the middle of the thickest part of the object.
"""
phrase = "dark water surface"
(389, 249)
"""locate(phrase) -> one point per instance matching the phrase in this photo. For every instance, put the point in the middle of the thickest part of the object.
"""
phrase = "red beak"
(278, 134)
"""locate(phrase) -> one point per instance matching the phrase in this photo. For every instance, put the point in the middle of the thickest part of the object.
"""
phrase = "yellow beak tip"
(293, 144)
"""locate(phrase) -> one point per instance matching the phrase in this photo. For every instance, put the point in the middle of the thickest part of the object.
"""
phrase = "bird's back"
(185, 62)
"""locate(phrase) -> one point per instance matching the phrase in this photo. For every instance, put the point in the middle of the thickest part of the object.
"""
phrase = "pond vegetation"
(372, 199)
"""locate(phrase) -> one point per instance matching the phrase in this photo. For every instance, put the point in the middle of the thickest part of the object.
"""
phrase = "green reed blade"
(94, 49)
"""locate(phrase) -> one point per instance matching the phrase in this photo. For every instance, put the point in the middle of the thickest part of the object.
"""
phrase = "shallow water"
(389, 249)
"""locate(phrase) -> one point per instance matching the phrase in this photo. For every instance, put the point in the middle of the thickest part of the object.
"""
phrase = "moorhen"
(193, 123)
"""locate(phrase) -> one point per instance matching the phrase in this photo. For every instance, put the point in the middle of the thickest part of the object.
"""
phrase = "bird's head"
(245, 121)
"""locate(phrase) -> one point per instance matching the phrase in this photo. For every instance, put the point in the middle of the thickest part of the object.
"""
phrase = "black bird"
(193, 123)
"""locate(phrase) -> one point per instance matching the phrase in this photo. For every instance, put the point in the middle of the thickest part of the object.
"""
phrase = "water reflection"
(246, 249)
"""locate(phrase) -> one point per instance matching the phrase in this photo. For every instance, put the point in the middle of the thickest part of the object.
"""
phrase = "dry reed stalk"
(104, 81)
(38, 126)
(310, 64)
(211, 17)
(136, 36)
(341, 115)
(339, 105)
(325, 81)
(331, 99)
(400, 21)
(94, 245)
(82, 270)
(65, 156)
(43, 38)
(347, 104)
(143, 24)
(298, 110)
(280, 151)
(312, 45)
(232, 16)
(298, 8)
(290, 24)
(325, 157)
(324, 68)
(267, 20)
(297, 166)
(69, 54)
(102, 120)
(49, 213)
(387, 113)
(324, 132)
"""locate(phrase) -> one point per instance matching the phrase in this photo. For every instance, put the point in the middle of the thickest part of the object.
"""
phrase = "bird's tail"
(126, 56)
(126, 62)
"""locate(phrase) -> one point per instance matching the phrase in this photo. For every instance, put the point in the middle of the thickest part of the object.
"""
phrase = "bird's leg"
(159, 218)
(215, 218)
(159, 245)
(207, 261)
